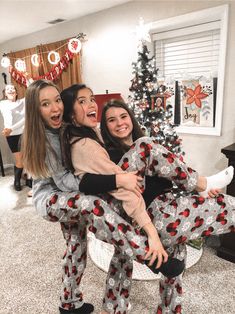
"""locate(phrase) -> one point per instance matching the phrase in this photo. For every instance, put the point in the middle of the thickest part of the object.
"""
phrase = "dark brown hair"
(109, 140)
(71, 133)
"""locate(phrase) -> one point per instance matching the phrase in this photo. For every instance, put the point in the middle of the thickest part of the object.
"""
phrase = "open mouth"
(92, 114)
(56, 118)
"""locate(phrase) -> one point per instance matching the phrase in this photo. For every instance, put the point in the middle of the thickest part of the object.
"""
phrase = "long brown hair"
(111, 141)
(72, 133)
(34, 141)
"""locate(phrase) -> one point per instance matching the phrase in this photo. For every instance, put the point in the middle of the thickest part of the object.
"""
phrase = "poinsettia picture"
(197, 103)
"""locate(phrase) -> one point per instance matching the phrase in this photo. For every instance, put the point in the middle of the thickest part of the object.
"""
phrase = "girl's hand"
(156, 249)
(129, 181)
(213, 193)
(6, 132)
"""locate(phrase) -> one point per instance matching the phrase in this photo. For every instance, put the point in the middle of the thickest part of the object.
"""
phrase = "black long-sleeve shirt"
(95, 184)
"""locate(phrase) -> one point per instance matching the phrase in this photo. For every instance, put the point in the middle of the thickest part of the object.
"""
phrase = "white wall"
(111, 48)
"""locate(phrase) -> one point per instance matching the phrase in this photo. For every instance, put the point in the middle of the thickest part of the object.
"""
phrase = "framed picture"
(164, 96)
(197, 102)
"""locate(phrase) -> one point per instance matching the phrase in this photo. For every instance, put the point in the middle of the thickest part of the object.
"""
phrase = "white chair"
(101, 253)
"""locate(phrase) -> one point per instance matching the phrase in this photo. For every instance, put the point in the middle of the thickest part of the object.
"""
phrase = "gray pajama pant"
(177, 221)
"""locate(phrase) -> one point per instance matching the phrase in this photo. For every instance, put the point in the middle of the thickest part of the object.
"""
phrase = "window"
(190, 53)
(193, 54)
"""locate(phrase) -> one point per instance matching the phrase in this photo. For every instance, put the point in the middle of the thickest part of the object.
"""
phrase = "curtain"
(32, 70)
(70, 75)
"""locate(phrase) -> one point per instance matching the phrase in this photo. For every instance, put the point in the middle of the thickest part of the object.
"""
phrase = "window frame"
(198, 17)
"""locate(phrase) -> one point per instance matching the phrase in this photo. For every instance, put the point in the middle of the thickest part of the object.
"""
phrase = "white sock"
(219, 180)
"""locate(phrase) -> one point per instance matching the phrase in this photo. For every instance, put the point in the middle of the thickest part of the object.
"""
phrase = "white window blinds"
(188, 52)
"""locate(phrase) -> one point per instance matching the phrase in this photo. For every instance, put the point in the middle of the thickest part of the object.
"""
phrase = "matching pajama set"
(177, 221)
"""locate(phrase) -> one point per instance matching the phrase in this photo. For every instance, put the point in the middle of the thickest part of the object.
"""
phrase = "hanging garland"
(52, 75)
(60, 64)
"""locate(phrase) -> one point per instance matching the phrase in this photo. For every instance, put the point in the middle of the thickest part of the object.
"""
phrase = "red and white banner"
(52, 75)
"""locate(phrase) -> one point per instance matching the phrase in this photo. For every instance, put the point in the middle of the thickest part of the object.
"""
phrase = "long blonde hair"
(34, 141)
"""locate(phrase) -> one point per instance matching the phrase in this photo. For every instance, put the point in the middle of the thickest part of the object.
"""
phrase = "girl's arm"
(97, 183)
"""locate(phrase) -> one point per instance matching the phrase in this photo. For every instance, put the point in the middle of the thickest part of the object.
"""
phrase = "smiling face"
(119, 124)
(10, 92)
(85, 109)
(51, 107)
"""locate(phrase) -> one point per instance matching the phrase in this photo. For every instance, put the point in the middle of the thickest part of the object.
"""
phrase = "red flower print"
(111, 295)
(53, 199)
(195, 96)
(185, 213)
(179, 288)
(181, 239)
(125, 293)
(128, 271)
(207, 232)
(177, 309)
(125, 164)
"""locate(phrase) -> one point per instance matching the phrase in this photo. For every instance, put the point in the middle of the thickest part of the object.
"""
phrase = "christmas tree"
(149, 102)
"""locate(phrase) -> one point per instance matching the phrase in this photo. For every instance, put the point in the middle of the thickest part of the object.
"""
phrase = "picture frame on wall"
(197, 102)
(164, 97)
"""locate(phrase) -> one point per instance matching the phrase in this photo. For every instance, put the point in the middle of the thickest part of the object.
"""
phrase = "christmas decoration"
(5, 61)
(152, 102)
(52, 75)
(142, 31)
(74, 45)
(55, 55)
(34, 60)
(20, 65)
(60, 64)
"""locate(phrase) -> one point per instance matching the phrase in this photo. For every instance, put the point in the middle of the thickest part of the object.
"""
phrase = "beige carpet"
(30, 257)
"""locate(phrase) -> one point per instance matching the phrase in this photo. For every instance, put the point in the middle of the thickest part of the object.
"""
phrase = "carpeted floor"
(30, 257)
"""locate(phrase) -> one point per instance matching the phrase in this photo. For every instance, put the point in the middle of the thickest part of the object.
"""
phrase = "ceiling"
(22, 17)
